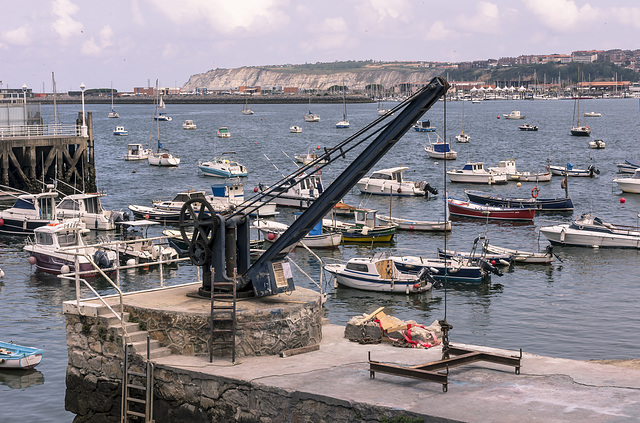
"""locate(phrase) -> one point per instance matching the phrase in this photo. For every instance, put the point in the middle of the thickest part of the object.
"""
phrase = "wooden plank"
(301, 350)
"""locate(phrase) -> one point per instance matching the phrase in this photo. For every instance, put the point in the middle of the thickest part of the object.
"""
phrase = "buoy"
(131, 262)
(318, 148)
(622, 200)
(271, 236)
(260, 118)
(411, 227)
(518, 184)
(255, 143)
(65, 269)
(493, 262)
(255, 189)
(133, 171)
(498, 116)
(1, 222)
(399, 190)
(32, 260)
(416, 286)
(146, 216)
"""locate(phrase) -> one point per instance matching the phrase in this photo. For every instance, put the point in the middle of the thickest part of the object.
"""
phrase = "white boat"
(230, 194)
(18, 357)
(307, 158)
(390, 182)
(475, 173)
(344, 123)
(630, 184)
(294, 129)
(424, 126)
(519, 256)
(224, 166)
(135, 247)
(296, 192)
(162, 156)
(88, 208)
(577, 129)
(223, 132)
(381, 109)
(113, 113)
(120, 131)
(462, 137)
(441, 150)
(29, 212)
(246, 110)
(515, 114)
(592, 114)
(316, 238)
(597, 144)
(311, 117)
(380, 275)
(417, 225)
(136, 152)
(55, 246)
(509, 167)
(629, 166)
(528, 127)
(591, 231)
(163, 117)
(188, 124)
(590, 171)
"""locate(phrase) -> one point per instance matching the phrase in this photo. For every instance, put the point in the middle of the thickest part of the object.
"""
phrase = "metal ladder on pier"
(223, 317)
(137, 388)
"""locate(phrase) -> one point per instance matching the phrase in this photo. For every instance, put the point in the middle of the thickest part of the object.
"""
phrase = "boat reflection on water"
(21, 379)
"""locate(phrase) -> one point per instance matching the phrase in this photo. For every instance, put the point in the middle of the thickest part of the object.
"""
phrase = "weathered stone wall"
(263, 332)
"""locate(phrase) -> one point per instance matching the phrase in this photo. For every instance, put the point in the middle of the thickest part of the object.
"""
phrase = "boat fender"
(548, 167)
(563, 183)
(399, 190)
(534, 192)
(319, 171)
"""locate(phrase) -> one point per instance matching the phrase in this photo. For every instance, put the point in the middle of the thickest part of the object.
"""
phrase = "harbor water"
(583, 307)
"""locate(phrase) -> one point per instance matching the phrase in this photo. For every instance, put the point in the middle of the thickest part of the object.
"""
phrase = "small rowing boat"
(14, 356)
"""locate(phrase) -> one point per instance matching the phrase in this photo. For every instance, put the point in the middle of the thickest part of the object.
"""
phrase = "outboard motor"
(425, 274)
(424, 185)
(593, 171)
(488, 267)
(101, 259)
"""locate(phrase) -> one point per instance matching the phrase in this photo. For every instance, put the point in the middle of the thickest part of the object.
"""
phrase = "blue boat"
(541, 204)
(14, 356)
(424, 126)
(456, 270)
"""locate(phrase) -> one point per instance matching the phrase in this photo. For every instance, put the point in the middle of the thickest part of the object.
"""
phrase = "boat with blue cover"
(424, 126)
(441, 150)
(14, 356)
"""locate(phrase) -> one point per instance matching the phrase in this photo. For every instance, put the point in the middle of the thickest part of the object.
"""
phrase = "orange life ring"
(548, 167)
(534, 192)
(319, 171)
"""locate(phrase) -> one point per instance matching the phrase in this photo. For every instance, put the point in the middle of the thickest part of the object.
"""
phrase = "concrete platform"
(548, 389)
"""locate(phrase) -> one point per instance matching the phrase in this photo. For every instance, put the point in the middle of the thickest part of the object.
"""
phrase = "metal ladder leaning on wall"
(137, 388)
(223, 316)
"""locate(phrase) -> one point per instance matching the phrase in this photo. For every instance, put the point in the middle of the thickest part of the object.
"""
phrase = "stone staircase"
(135, 336)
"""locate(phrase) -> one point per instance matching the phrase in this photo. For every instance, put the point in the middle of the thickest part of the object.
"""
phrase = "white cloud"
(438, 32)
(389, 9)
(91, 47)
(253, 16)
(628, 16)
(106, 35)
(562, 15)
(65, 25)
(486, 20)
(19, 36)
(136, 15)
(329, 34)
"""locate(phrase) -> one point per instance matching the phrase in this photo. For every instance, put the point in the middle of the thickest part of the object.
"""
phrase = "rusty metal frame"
(428, 371)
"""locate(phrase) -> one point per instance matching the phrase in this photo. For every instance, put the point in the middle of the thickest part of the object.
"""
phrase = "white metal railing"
(40, 131)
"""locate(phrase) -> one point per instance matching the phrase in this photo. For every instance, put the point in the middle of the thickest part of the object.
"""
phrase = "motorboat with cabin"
(629, 184)
(120, 131)
(528, 127)
(136, 152)
(380, 274)
(165, 211)
(390, 182)
(223, 132)
(440, 150)
(230, 194)
(307, 158)
(188, 124)
(295, 129)
(597, 144)
(591, 231)
(424, 126)
(365, 228)
(88, 208)
(629, 166)
(224, 166)
(475, 173)
(515, 114)
(30, 211)
(298, 191)
(56, 247)
(509, 167)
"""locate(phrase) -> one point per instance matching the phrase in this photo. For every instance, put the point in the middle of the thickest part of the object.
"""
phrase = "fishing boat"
(597, 144)
(56, 247)
(224, 166)
(509, 167)
(520, 256)
(230, 195)
(120, 131)
(379, 274)
(528, 127)
(88, 208)
(162, 156)
(515, 114)
(344, 123)
(475, 173)
(311, 117)
(299, 191)
(18, 357)
(113, 113)
(540, 204)
(136, 152)
(308, 158)
(629, 166)
(569, 170)
(424, 126)
(456, 269)
(462, 137)
(440, 150)
(417, 225)
(188, 124)
(30, 211)
(295, 129)
(365, 228)
(592, 231)
(246, 110)
(390, 182)
(630, 184)
(316, 238)
(592, 114)
(475, 210)
(223, 132)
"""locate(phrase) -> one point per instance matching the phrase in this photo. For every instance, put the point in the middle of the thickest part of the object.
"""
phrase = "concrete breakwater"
(210, 99)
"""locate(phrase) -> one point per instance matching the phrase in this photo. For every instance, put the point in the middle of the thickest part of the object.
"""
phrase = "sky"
(131, 43)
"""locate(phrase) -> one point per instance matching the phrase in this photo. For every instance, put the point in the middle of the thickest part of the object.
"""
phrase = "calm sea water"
(583, 308)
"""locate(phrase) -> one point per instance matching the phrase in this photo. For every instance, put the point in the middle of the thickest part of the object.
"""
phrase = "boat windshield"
(68, 239)
(47, 208)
